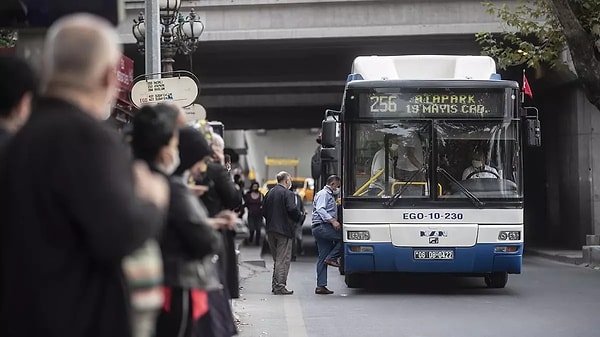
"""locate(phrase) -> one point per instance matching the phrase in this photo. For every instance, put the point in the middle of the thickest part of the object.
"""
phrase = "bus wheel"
(496, 280)
(354, 280)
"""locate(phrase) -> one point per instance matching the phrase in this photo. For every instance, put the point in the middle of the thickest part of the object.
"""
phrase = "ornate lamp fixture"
(179, 34)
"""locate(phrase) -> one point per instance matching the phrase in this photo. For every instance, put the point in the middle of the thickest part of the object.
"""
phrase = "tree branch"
(582, 49)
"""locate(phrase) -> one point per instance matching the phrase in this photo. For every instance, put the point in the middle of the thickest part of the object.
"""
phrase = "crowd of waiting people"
(105, 234)
(132, 234)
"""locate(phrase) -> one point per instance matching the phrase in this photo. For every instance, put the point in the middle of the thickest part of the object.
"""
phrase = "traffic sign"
(194, 112)
(180, 90)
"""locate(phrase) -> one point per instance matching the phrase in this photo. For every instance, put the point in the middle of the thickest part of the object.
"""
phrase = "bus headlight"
(506, 249)
(361, 249)
(509, 235)
(358, 235)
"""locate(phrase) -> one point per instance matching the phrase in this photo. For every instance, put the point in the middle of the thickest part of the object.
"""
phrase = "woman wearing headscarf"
(219, 318)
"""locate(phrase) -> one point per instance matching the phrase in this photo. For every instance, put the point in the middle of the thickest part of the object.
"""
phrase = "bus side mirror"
(534, 132)
(533, 128)
(328, 154)
(328, 133)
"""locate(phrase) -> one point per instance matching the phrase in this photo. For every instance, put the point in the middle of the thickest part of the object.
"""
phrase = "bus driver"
(479, 169)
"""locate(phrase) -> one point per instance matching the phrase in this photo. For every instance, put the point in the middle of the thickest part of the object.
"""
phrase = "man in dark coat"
(69, 205)
(281, 215)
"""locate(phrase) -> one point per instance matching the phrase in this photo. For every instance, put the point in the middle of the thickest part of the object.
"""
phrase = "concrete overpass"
(268, 64)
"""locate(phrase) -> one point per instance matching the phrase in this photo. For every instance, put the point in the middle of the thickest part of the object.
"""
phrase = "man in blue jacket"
(281, 215)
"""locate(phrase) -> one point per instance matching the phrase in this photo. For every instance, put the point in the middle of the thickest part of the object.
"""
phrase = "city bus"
(429, 149)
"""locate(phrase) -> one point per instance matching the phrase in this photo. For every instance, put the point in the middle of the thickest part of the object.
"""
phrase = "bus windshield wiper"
(397, 195)
(476, 202)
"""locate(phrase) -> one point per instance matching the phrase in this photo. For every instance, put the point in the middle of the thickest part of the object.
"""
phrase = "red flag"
(526, 87)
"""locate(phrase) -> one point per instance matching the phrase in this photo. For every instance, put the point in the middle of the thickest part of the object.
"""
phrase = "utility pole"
(152, 41)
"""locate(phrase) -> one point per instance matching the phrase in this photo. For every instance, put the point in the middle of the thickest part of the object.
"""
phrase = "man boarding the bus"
(327, 231)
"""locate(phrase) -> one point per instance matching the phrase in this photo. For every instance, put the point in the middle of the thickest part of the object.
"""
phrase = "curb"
(576, 260)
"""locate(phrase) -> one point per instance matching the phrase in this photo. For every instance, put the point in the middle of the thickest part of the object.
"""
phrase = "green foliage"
(533, 35)
(7, 38)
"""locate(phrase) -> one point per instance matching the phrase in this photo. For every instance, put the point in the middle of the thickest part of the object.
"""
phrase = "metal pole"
(152, 38)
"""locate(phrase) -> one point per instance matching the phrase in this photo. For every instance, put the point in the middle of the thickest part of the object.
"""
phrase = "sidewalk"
(560, 255)
(250, 263)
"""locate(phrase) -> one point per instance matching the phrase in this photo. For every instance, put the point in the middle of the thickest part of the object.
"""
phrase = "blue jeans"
(329, 245)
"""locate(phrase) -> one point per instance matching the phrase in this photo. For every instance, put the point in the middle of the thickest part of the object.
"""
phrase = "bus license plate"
(420, 254)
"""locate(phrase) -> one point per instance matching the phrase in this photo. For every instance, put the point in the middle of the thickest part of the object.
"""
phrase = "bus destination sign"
(431, 104)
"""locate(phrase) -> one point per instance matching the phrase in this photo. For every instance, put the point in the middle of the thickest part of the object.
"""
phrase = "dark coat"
(223, 194)
(280, 211)
(69, 215)
(4, 137)
(188, 242)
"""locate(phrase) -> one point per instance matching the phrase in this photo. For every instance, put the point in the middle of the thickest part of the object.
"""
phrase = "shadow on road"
(429, 284)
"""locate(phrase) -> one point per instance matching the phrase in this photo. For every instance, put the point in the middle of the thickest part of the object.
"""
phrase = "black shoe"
(332, 263)
(323, 291)
(283, 291)
(293, 259)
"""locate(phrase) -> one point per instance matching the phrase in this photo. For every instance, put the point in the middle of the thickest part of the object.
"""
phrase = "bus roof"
(424, 67)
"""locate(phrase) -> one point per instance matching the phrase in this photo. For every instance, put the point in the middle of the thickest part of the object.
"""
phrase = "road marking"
(293, 316)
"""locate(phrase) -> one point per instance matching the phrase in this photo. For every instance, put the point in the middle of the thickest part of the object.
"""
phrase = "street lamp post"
(179, 33)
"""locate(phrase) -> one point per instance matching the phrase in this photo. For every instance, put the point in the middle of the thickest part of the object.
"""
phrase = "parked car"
(304, 186)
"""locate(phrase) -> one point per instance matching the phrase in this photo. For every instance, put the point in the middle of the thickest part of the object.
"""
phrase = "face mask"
(174, 164)
(394, 147)
(336, 191)
(107, 112)
(110, 104)
(477, 163)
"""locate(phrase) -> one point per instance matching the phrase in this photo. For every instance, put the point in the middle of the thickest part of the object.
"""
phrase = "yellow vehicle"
(304, 186)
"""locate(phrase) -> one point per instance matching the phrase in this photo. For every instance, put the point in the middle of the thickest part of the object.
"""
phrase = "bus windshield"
(391, 156)
(481, 157)
(439, 159)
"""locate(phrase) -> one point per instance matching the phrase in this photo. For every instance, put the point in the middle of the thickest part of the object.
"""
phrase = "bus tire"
(496, 280)
(341, 268)
(354, 280)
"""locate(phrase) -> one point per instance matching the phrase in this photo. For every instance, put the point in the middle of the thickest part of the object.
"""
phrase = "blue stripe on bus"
(385, 257)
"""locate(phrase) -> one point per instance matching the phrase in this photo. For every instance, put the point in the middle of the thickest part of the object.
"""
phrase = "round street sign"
(181, 91)
(194, 112)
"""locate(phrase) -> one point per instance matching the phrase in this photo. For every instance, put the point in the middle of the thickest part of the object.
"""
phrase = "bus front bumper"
(385, 257)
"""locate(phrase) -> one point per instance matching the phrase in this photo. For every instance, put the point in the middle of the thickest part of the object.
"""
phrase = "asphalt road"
(548, 299)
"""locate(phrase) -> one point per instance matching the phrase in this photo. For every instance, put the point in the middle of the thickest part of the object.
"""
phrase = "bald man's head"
(80, 47)
(81, 54)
